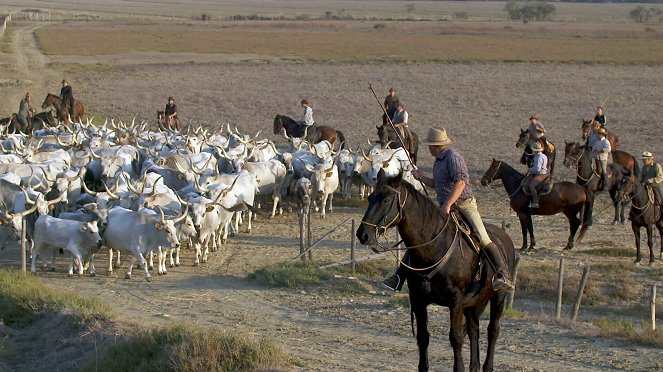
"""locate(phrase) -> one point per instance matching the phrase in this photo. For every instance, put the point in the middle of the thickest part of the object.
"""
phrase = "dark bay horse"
(586, 128)
(578, 156)
(644, 213)
(36, 122)
(549, 150)
(61, 109)
(437, 248)
(565, 197)
(169, 124)
(316, 133)
(387, 135)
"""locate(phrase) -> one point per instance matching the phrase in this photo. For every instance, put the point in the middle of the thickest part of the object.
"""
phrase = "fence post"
(560, 284)
(581, 289)
(652, 304)
(352, 246)
(23, 245)
(515, 280)
(302, 220)
(308, 234)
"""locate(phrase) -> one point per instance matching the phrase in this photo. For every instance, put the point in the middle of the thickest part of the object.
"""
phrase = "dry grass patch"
(352, 46)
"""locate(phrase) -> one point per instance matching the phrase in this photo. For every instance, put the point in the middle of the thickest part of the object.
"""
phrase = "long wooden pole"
(581, 289)
(23, 245)
(560, 285)
(652, 305)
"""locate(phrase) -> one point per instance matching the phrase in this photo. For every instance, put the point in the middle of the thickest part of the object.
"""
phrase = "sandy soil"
(481, 105)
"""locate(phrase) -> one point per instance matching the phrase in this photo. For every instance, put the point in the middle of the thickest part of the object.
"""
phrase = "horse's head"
(384, 209)
(572, 153)
(586, 127)
(523, 138)
(47, 101)
(626, 186)
(493, 173)
(382, 134)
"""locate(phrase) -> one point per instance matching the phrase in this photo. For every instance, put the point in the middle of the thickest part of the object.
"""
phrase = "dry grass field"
(480, 80)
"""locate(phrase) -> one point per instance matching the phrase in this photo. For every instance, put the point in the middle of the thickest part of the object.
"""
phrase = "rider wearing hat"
(600, 152)
(25, 110)
(536, 134)
(537, 173)
(452, 186)
(67, 96)
(391, 103)
(171, 109)
(652, 175)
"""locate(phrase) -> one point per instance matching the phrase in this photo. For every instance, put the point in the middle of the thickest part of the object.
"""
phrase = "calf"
(81, 239)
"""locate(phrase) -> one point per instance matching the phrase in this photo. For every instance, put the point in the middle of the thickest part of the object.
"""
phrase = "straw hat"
(601, 131)
(437, 137)
(647, 155)
(537, 147)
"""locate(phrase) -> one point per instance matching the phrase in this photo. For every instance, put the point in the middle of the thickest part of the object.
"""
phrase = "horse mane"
(429, 211)
(511, 169)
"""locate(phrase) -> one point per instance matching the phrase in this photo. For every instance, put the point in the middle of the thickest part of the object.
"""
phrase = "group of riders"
(26, 110)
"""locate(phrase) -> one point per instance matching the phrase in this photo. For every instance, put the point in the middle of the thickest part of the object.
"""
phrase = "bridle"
(497, 168)
(575, 164)
(381, 227)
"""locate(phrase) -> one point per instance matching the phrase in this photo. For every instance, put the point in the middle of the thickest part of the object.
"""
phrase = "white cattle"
(345, 161)
(324, 181)
(270, 176)
(81, 239)
(303, 194)
(138, 233)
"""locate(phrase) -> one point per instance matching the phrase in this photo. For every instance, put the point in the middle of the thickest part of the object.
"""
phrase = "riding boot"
(502, 278)
(396, 280)
(604, 181)
(535, 199)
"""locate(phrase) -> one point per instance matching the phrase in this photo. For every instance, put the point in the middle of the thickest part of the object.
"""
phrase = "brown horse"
(441, 269)
(577, 156)
(644, 213)
(169, 124)
(388, 136)
(61, 110)
(565, 197)
(314, 134)
(35, 122)
(586, 128)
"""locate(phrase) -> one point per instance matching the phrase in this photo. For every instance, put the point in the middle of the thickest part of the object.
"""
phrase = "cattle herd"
(81, 188)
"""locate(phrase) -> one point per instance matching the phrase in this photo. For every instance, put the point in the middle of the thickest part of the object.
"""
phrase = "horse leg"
(496, 310)
(530, 229)
(574, 224)
(650, 243)
(659, 226)
(616, 201)
(523, 228)
(472, 329)
(423, 336)
(636, 232)
(456, 335)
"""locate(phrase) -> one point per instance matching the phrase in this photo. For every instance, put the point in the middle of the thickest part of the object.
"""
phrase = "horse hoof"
(637, 262)
(651, 263)
(614, 222)
(127, 276)
(149, 278)
(109, 273)
(93, 275)
(196, 264)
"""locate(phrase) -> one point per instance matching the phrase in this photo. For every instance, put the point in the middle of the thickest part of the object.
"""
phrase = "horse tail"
(586, 216)
(340, 137)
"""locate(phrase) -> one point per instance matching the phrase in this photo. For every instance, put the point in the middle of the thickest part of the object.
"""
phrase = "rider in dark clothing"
(171, 108)
(391, 103)
(67, 96)
(600, 117)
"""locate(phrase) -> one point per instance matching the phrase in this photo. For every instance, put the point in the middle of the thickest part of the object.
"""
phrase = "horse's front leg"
(530, 229)
(523, 228)
(456, 336)
(423, 336)
(659, 226)
(472, 328)
(650, 243)
(574, 224)
(616, 201)
(636, 232)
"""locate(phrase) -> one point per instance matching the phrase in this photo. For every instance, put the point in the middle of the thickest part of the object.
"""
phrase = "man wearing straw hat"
(452, 186)
(67, 96)
(537, 173)
(601, 152)
(652, 175)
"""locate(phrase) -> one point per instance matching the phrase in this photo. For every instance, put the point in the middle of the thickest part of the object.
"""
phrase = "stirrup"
(533, 205)
(502, 283)
(393, 282)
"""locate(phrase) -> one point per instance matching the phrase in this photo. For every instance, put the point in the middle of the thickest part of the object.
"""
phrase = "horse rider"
(400, 120)
(537, 173)
(452, 186)
(600, 153)
(391, 103)
(67, 96)
(600, 117)
(307, 117)
(25, 110)
(652, 175)
(170, 111)
(536, 133)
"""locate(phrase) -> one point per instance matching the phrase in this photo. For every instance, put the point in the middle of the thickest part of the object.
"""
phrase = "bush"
(461, 15)
(529, 11)
(290, 275)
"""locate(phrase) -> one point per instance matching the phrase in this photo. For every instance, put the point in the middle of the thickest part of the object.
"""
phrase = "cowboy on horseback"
(536, 134)
(400, 119)
(537, 173)
(307, 118)
(600, 153)
(600, 117)
(452, 185)
(652, 175)
(67, 96)
(25, 112)
(391, 103)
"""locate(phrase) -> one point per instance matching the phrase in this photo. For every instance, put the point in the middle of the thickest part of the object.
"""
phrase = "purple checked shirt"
(448, 169)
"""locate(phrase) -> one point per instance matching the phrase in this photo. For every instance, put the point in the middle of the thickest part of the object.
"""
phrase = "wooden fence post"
(352, 246)
(560, 284)
(302, 220)
(652, 305)
(308, 234)
(23, 245)
(515, 280)
(581, 289)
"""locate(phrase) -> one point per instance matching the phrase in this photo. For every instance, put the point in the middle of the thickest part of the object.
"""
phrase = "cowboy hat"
(647, 155)
(601, 131)
(535, 117)
(536, 146)
(437, 137)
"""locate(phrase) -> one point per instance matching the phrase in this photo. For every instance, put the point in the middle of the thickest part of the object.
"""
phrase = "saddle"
(545, 187)
(465, 228)
(651, 195)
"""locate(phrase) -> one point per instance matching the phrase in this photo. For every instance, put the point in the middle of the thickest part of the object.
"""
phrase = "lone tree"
(529, 11)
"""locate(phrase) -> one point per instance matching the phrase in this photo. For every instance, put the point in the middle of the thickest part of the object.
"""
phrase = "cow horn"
(25, 213)
(27, 197)
(131, 187)
(110, 193)
(226, 190)
(163, 218)
(305, 132)
(285, 134)
(63, 145)
(46, 176)
(363, 154)
(58, 199)
(368, 140)
(270, 143)
(183, 215)
(92, 153)
(197, 185)
(84, 186)
(182, 201)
